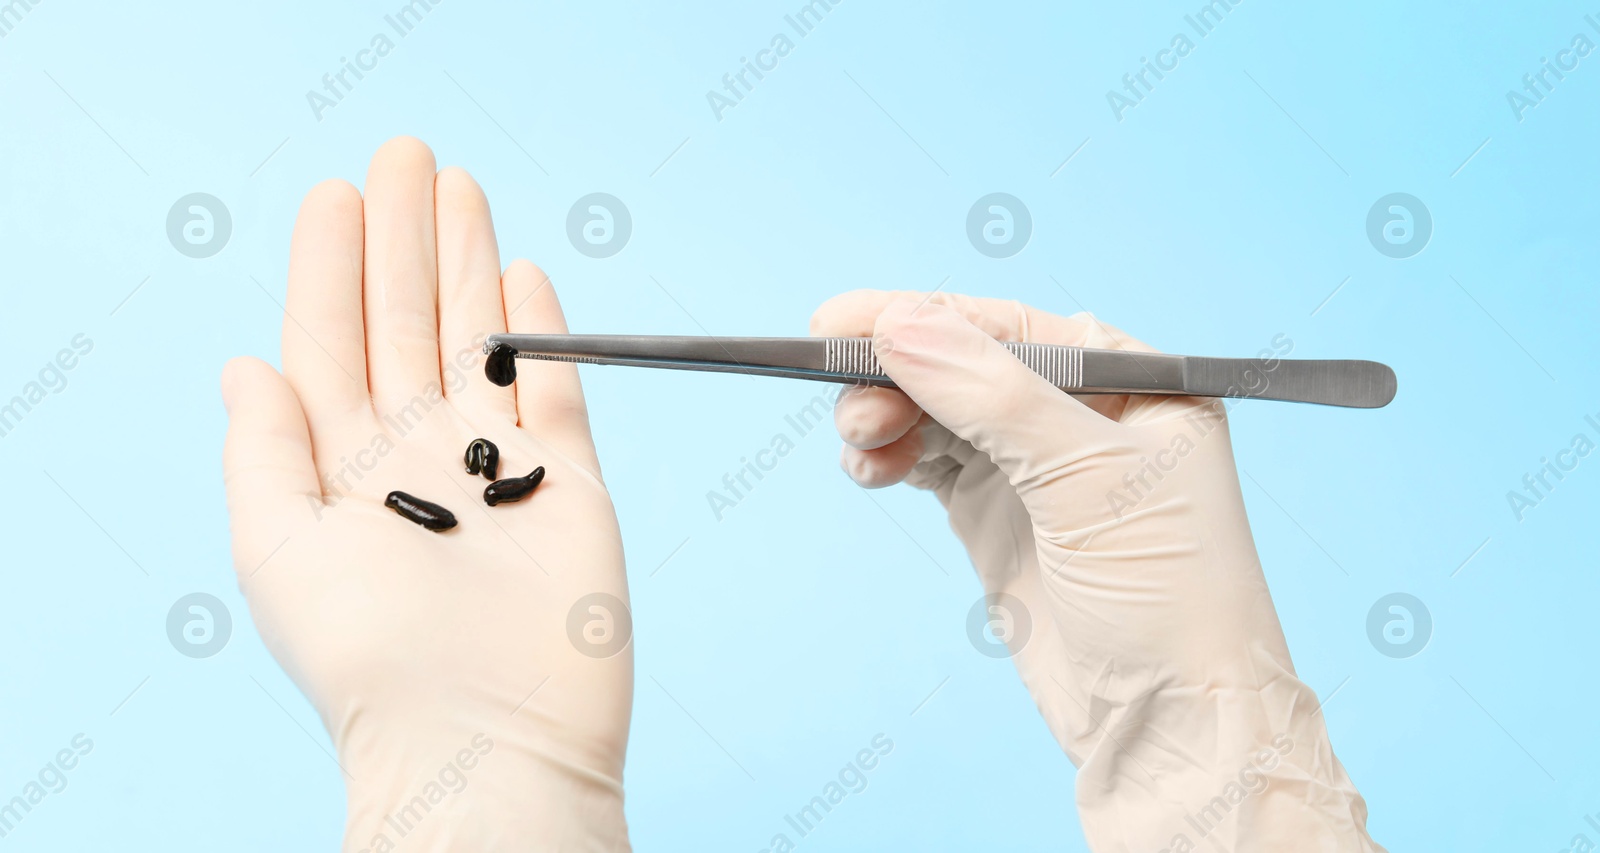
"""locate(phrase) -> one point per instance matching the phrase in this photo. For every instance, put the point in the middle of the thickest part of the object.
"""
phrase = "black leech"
(425, 513)
(501, 365)
(483, 457)
(513, 489)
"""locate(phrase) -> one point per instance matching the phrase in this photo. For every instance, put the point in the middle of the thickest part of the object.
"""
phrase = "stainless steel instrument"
(1076, 370)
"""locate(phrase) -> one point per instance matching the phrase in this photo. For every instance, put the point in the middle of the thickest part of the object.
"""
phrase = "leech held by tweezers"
(501, 365)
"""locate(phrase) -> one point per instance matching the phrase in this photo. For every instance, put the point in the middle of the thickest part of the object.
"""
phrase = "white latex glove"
(1115, 526)
(472, 706)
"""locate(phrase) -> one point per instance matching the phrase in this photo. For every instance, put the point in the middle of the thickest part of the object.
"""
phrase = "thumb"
(977, 389)
(267, 465)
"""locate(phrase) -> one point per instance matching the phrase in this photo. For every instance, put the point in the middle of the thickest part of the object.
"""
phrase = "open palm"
(508, 636)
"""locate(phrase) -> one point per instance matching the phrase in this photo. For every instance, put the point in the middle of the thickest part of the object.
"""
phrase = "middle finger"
(400, 277)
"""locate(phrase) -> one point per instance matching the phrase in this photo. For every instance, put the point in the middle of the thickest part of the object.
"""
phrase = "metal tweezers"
(1076, 370)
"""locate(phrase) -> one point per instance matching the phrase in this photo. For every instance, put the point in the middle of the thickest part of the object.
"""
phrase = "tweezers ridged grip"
(1061, 366)
(851, 355)
(570, 359)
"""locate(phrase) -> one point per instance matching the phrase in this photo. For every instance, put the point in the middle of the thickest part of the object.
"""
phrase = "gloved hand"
(1110, 537)
(478, 696)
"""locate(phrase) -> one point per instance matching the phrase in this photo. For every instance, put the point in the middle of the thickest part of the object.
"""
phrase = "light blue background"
(1221, 211)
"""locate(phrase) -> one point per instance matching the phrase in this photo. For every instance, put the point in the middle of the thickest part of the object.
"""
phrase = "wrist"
(485, 793)
(1226, 766)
